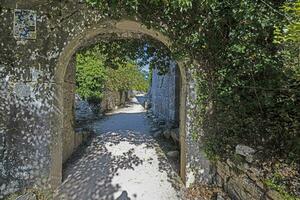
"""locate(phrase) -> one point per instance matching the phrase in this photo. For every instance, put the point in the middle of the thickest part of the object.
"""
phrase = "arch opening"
(123, 29)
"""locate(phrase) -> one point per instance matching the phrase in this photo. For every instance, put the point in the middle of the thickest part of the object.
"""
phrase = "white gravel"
(123, 162)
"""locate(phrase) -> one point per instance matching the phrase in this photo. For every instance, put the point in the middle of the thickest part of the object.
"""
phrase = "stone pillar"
(198, 168)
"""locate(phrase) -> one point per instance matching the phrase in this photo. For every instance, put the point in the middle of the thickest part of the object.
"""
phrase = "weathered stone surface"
(167, 134)
(29, 196)
(154, 129)
(243, 166)
(273, 195)
(157, 134)
(83, 110)
(112, 100)
(161, 122)
(243, 184)
(220, 197)
(223, 170)
(245, 151)
(165, 94)
(34, 83)
(175, 135)
(147, 105)
(173, 154)
(252, 188)
(236, 190)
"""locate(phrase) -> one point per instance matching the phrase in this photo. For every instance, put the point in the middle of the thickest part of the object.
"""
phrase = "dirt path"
(122, 162)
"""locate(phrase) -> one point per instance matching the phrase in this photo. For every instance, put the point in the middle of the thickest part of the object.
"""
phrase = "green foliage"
(290, 30)
(274, 184)
(248, 93)
(126, 78)
(90, 75)
(97, 70)
(247, 84)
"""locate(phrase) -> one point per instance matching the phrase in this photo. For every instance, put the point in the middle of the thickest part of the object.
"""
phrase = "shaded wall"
(165, 97)
(68, 134)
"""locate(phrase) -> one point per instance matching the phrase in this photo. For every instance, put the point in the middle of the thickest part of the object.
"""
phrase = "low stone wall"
(242, 180)
(76, 126)
(112, 100)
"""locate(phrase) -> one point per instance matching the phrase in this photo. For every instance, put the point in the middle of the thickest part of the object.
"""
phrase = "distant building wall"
(165, 94)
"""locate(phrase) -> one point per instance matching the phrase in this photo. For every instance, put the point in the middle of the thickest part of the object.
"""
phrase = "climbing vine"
(248, 67)
(242, 73)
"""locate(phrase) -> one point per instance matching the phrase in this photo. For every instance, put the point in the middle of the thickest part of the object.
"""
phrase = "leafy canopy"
(248, 78)
(98, 71)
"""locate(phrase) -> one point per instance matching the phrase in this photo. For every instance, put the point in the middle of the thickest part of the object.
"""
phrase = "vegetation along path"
(122, 162)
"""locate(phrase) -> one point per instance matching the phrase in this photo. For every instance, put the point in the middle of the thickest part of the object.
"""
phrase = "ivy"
(248, 81)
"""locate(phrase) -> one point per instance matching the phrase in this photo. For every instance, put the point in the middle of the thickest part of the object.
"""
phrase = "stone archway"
(32, 72)
(122, 29)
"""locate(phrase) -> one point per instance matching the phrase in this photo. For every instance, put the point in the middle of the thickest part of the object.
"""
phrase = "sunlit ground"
(123, 161)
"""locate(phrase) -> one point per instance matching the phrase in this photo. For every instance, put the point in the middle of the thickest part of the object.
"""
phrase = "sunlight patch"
(120, 148)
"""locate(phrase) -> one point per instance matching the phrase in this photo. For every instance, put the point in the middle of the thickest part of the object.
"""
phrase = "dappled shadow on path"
(122, 161)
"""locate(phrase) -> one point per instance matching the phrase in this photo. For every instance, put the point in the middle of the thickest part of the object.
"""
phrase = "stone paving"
(122, 162)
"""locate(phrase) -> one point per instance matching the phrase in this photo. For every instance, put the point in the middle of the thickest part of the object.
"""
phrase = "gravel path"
(122, 162)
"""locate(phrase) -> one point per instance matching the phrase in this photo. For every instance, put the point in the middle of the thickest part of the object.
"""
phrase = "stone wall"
(79, 113)
(243, 180)
(165, 94)
(113, 100)
(35, 107)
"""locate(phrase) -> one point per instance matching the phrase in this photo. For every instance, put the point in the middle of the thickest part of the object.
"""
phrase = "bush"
(96, 72)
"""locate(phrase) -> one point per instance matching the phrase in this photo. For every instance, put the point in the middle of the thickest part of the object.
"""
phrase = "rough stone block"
(252, 188)
(243, 188)
(175, 135)
(157, 134)
(167, 134)
(173, 154)
(245, 151)
(273, 195)
(223, 170)
(29, 196)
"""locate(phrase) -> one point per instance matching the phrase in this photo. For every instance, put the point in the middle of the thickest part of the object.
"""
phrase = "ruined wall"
(113, 100)
(242, 179)
(164, 94)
